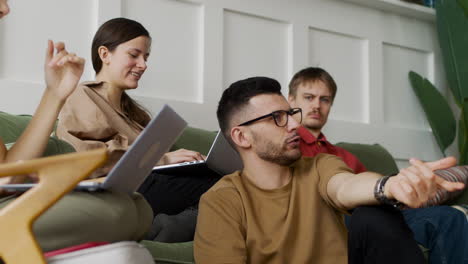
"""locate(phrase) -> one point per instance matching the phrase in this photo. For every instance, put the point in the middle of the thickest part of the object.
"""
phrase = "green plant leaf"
(438, 112)
(461, 138)
(464, 5)
(452, 28)
(463, 134)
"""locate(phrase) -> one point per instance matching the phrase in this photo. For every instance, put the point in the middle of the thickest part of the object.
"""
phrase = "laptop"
(221, 160)
(137, 162)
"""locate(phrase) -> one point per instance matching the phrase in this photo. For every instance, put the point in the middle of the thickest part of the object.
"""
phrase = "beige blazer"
(87, 121)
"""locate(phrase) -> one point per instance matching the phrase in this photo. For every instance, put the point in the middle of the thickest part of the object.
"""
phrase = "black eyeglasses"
(280, 117)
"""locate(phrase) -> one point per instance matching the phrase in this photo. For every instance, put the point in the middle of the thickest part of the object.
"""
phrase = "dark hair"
(312, 74)
(237, 96)
(113, 33)
(110, 35)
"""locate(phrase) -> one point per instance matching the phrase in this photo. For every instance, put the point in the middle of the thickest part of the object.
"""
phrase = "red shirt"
(311, 146)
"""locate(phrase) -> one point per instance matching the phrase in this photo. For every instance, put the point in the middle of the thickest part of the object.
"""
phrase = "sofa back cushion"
(195, 139)
(374, 157)
(11, 127)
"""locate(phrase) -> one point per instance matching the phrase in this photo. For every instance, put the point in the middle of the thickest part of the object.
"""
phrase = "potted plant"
(452, 28)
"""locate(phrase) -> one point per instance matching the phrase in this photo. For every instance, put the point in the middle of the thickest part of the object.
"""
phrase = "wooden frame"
(57, 175)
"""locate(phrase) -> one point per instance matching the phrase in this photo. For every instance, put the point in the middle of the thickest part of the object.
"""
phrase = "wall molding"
(399, 7)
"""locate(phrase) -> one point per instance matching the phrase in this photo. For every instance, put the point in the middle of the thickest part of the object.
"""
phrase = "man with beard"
(282, 208)
(441, 229)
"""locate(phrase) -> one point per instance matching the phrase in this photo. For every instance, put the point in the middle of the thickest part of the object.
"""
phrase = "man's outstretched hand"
(416, 184)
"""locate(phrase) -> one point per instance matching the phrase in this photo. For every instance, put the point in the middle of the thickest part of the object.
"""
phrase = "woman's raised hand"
(63, 70)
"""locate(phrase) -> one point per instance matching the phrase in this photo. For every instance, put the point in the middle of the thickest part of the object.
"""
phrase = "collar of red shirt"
(309, 138)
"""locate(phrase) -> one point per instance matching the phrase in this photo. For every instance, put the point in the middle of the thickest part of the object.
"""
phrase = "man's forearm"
(351, 190)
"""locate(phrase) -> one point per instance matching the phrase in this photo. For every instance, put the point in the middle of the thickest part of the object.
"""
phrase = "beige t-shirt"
(297, 223)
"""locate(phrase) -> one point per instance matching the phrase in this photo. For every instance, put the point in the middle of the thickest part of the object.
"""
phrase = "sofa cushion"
(11, 127)
(181, 253)
(374, 157)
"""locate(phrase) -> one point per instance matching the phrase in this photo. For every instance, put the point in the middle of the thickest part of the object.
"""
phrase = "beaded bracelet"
(380, 195)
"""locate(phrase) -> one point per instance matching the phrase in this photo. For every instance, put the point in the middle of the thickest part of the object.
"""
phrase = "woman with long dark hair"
(79, 217)
(101, 114)
(119, 52)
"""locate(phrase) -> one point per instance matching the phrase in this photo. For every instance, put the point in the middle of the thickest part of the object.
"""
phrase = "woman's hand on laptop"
(15, 180)
(4, 180)
(180, 155)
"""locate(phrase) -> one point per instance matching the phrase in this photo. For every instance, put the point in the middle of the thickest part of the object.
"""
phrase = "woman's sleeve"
(85, 127)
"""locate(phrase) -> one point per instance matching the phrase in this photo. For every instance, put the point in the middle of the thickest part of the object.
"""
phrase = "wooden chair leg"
(58, 175)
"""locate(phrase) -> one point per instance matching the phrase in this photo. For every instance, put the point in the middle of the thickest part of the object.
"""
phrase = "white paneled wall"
(255, 46)
(398, 95)
(201, 46)
(175, 71)
(25, 33)
(346, 58)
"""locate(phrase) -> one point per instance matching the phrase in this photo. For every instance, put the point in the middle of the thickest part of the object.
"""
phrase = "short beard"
(268, 151)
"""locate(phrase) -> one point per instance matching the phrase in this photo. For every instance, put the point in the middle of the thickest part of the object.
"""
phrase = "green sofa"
(11, 127)
(374, 157)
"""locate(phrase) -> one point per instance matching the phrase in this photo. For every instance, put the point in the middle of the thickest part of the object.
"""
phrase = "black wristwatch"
(379, 194)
